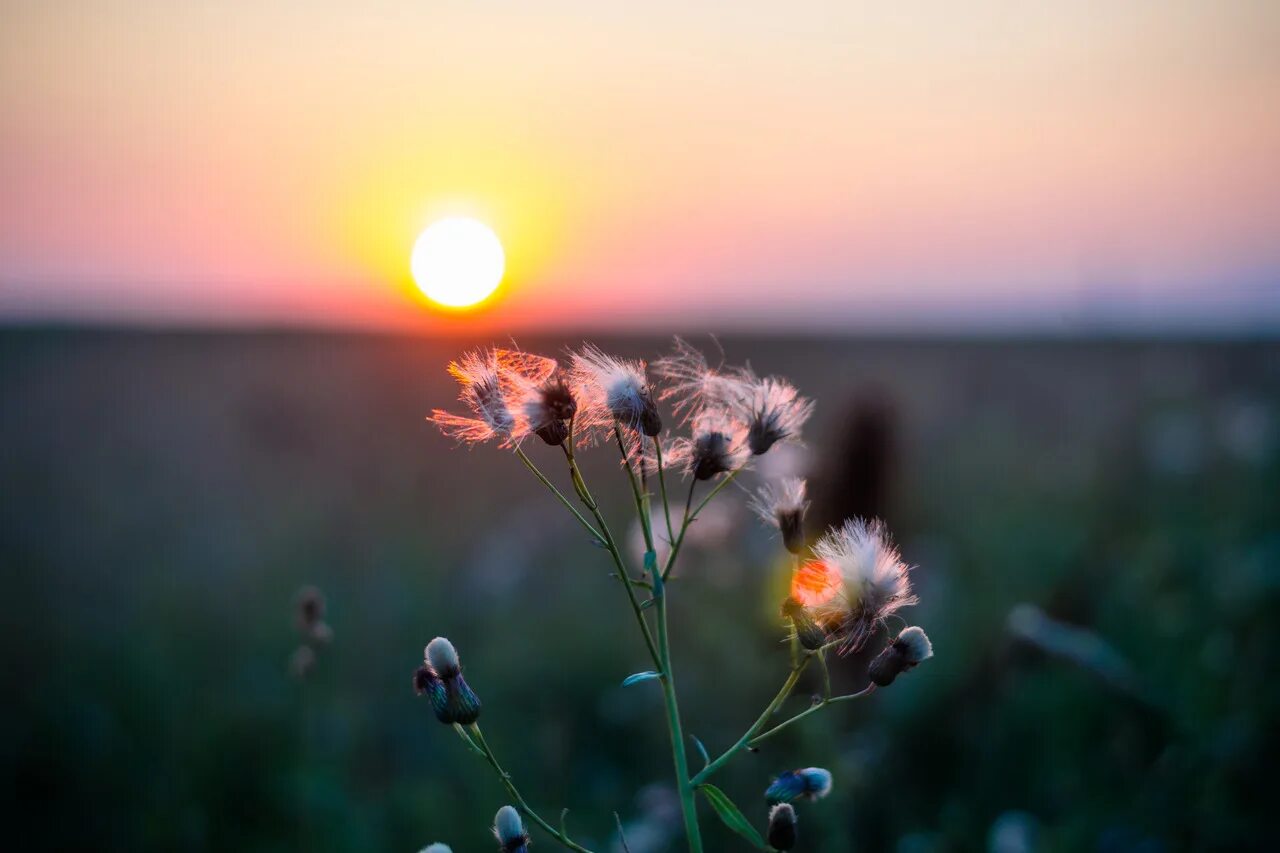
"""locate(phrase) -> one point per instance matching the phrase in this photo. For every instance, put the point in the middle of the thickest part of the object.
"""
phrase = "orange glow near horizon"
(829, 168)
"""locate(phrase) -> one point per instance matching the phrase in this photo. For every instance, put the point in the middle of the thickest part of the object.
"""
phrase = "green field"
(165, 494)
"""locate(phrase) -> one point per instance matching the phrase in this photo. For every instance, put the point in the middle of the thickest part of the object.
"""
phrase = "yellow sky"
(730, 162)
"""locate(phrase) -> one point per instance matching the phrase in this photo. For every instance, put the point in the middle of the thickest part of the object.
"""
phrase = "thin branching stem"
(814, 708)
(555, 491)
(637, 495)
(610, 545)
(691, 515)
(744, 741)
(505, 777)
(662, 487)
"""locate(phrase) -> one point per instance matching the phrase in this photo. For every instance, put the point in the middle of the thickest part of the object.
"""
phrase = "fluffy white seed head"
(507, 826)
(869, 580)
(915, 644)
(612, 389)
(442, 656)
(436, 848)
(495, 385)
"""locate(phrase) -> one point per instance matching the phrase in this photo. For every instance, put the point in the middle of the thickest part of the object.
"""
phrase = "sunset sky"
(821, 165)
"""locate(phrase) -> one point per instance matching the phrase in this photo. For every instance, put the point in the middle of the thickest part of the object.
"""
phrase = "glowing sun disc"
(457, 262)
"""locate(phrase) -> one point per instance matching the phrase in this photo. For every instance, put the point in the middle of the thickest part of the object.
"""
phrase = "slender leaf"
(731, 815)
(638, 677)
(702, 750)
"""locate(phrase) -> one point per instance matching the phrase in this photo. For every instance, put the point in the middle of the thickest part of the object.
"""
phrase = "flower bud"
(649, 420)
(807, 630)
(909, 648)
(791, 525)
(440, 677)
(810, 783)
(553, 433)
(781, 834)
(509, 830)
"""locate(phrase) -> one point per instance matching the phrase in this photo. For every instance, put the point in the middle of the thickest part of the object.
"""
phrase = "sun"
(457, 262)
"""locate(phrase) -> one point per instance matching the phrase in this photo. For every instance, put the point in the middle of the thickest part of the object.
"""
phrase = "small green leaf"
(730, 814)
(702, 750)
(638, 677)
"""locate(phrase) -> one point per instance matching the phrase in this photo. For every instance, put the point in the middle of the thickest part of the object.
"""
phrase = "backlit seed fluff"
(614, 389)
(810, 783)
(508, 828)
(436, 848)
(783, 506)
(484, 394)
(906, 651)
(781, 833)
(691, 384)
(855, 581)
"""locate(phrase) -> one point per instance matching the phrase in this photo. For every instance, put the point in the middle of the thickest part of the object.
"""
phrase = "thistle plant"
(843, 587)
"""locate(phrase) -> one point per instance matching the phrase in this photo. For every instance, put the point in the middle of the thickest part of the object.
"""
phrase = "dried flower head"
(783, 505)
(614, 389)
(508, 828)
(856, 580)
(440, 678)
(781, 833)
(716, 445)
(772, 409)
(810, 783)
(547, 407)
(907, 650)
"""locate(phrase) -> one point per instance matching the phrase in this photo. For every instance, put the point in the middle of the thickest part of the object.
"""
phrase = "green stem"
(744, 741)
(641, 509)
(866, 691)
(662, 487)
(610, 545)
(685, 787)
(555, 491)
(528, 811)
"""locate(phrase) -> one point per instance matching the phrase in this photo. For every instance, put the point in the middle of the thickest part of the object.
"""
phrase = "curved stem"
(745, 741)
(524, 807)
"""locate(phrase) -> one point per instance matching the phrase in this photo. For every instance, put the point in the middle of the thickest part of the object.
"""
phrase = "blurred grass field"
(165, 494)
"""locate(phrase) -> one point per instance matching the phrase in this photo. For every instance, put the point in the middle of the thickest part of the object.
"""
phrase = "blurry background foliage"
(165, 495)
